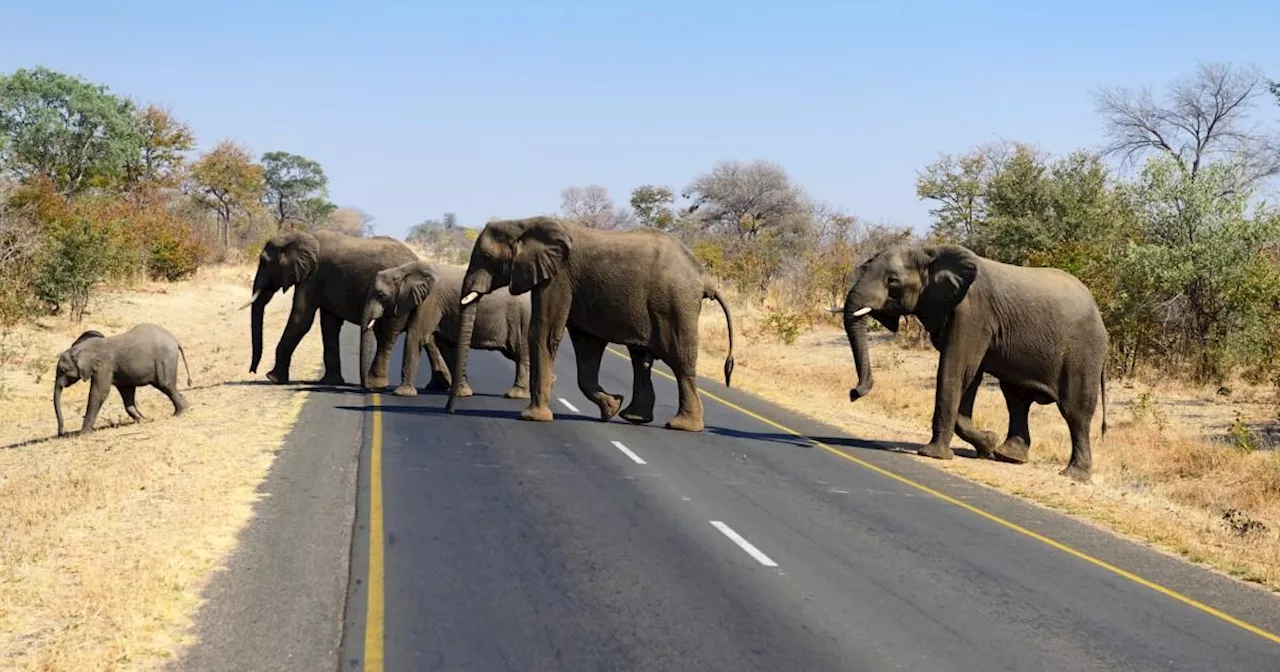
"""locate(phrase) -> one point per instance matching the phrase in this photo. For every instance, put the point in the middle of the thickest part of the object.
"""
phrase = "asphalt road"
(581, 545)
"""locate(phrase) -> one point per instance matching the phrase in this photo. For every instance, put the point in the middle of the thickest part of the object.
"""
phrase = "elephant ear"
(414, 287)
(951, 271)
(85, 360)
(299, 257)
(540, 252)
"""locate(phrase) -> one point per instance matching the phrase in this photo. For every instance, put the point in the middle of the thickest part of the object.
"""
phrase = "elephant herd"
(1037, 330)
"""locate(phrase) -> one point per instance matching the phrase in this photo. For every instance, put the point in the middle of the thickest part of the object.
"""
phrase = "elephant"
(430, 294)
(329, 272)
(1036, 330)
(641, 288)
(147, 354)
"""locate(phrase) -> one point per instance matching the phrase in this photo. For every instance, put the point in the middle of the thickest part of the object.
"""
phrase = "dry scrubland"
(1171, 470)
(108, 539)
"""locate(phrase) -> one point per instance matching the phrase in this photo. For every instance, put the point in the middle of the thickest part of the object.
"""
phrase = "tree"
(592, 206)
(1195, 267)
(162, 140)
(351, 221)
(653, 206)
(958, 185)
(1205, 116)
(227, 181)
(64, 128)
(296, 189)
(744, 198)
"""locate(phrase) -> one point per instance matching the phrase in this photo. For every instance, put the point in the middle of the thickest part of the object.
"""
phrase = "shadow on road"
(513, 415)
(835, 441)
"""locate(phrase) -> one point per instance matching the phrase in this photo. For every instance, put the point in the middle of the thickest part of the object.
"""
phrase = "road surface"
(579, 545)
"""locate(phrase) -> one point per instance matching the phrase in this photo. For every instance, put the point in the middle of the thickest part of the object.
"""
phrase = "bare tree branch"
(1204, 116)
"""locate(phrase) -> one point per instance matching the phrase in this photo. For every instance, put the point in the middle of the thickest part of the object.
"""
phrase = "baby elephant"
(432, 295)
(144, 355)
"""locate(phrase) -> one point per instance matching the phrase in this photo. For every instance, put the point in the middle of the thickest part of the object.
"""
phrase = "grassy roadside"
(1174, 470)
(108, 539)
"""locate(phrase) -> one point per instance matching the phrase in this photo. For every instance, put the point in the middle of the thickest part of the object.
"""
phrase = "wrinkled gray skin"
(430, 294)
(1036, 330)
(145, 355)
(640, 288)
(329, 272)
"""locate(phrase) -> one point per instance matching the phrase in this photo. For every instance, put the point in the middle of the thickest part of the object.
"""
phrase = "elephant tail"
(184, 363)
(710, 292)
(1104, 400)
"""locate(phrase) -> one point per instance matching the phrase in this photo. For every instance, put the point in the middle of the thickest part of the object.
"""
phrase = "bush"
(79, 255)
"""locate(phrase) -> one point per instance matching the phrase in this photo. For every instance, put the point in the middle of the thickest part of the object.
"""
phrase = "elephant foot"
(637, 416)
(516, 392)
(537, 414)
(986, 445)
(376, 382)
(1077, 473)
(278, 377)
(1013, 451)
(936, 451)
(405, 391)
(465, 389)
(332, 379)
(685, 422)
(609, 405)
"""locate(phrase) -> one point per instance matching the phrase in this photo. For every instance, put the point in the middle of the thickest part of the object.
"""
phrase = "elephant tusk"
(369, 326)
(470, 297)
(251, 300)
(862, 311)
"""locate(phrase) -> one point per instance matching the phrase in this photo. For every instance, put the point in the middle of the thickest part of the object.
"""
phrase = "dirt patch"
(108, 538)
(1189, 470)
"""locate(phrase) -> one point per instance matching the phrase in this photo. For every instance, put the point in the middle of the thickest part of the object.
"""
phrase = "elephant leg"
(957, 367)
(330, 327)
(546, 329)
(170, 389)
(409, 362)
(99, 388)
(129, 395)
(519, 354)
(684, 365)
(1077, 407)
(301, 318)
(640, 410)
(1018, 443)
(982, 441)
(588, 351)
(442, 377)
(378, 377)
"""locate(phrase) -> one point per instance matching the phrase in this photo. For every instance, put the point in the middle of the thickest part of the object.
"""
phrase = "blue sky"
(415, 109)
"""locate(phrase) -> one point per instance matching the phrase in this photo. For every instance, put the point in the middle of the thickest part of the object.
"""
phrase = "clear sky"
(415, 109)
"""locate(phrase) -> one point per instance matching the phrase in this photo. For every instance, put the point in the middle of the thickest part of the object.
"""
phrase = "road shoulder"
(279, 602)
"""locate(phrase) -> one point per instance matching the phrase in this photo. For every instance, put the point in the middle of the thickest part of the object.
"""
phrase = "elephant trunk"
(262, 293)
(465, 324)
(58, 384)
(855, 328)
(372, 311)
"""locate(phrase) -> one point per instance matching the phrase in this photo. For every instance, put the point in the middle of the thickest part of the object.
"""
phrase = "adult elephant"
(1036, 330)
(329, 272)
(429, 294)
(641, 288)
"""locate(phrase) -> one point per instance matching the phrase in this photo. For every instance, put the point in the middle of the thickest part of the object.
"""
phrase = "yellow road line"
(373, 634)
(1168, 592)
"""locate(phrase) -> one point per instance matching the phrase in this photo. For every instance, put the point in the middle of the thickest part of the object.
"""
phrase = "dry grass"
(107, 539)
(1172, 471)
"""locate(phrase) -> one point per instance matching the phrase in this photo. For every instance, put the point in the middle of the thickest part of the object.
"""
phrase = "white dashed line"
(569, 405)
(744, 544)
(627, 451)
